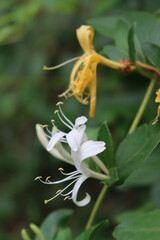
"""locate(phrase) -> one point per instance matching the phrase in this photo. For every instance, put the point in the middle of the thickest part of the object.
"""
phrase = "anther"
(44, 126)
(66, 198)
(52, 121)
(46, 180)
(39, 177)
(60, 190)
(44, 68)
(60, 169)
(56, 111)
(155, 122)
(59, 103)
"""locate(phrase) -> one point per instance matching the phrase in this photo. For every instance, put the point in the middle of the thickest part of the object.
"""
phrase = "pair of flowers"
(81, 149)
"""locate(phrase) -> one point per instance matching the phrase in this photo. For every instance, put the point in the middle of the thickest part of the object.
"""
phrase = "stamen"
(66, 194)
(71, 173)
(63, 141)
(65, 116)
(64, 93)
(60, 65)
(63, 121)
(59, 103)
(60, 190)
(46, 180)
(155, 120)
(44, 126)
(70, 177)
(60, 169)
(66, 198)
(46, 201)
(39, 177)
(48, 130)
(56, 111)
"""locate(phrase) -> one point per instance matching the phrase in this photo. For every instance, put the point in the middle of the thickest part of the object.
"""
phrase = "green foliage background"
(34, 34)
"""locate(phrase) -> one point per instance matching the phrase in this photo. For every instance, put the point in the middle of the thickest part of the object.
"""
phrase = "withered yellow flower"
(157, 100)
(83, 75)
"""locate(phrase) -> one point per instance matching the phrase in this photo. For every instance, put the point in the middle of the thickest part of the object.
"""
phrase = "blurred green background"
(34, 34)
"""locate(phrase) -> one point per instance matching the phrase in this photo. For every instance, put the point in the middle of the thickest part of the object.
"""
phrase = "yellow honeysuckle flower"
(83, 75)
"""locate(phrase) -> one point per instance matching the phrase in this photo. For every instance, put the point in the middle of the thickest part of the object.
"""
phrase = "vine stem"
(132, 128)
(96, 206)
(142, 106)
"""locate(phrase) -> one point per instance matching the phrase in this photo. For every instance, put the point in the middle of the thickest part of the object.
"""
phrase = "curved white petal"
(44, 141)
(56, 137)
(41, 135)
(76, 188)
(80, 121)
(75, 136)
(91, 148)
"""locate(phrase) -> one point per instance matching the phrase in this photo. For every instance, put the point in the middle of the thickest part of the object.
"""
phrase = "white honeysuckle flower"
(82, 172)
(81, 149)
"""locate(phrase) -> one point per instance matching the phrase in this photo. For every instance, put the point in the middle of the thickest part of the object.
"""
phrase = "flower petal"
(85, 37)
(80, 121)
(76, 188)
(41, 135)
(75, 136)
(44, 141)
(91, 148)
(56, 137)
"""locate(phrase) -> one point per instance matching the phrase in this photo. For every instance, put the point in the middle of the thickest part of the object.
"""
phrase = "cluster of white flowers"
(81, 149)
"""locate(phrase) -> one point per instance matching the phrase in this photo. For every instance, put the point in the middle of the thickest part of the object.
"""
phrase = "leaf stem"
(142, 106)
(96, 206)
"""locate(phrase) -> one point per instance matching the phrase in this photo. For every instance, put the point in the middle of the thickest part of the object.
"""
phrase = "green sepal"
(113, 177)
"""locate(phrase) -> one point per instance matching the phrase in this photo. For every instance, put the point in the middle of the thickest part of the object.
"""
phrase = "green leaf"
(104, 25)
(136, 148)
(147, 174)
(146, 207)
(63, 234)
(145, 226)
(132, 50)
(127, 39)
(114, 53)
(121, 35)
(90, 233)
(152, 53)
(106, 156)
(53, 221)
(155, 193)
(147, 26)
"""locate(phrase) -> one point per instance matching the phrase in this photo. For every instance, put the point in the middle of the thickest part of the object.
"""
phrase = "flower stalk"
(142, 106)
(96, 207)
